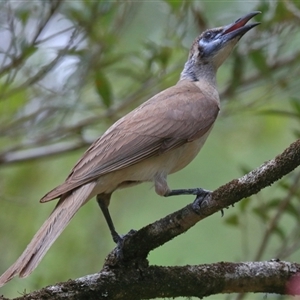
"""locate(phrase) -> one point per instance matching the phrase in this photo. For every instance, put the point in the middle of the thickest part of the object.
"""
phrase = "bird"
(158, 138)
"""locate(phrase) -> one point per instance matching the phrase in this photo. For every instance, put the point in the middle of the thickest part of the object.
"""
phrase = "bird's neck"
(196, 72)
(204, 77)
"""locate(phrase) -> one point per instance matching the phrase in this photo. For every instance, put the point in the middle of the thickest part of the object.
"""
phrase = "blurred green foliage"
(68, 69)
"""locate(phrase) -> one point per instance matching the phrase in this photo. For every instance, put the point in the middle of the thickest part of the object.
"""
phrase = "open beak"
(239, 27)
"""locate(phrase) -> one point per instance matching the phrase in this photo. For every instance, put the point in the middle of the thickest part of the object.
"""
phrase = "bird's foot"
(202, 197)
(120, 240)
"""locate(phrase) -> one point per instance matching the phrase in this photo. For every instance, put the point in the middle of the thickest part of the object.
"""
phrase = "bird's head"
(213, 46)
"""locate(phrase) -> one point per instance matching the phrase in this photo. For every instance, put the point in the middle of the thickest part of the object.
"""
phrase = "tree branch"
(153, 282)
(126, 274)
(39, 152)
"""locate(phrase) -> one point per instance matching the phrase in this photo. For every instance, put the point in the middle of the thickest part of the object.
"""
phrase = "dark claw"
(120, 243)
(274, 260)
(201, 196)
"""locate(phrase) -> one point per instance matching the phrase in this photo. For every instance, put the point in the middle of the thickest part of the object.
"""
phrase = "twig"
(18, 60)
(39, 152)
(43, 71)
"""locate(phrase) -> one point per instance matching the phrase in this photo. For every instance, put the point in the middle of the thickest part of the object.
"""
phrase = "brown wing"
(173, 117)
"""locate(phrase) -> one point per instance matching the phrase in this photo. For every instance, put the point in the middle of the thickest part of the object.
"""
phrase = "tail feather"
(48, 233)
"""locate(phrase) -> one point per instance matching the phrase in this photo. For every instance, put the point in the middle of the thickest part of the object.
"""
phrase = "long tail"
(48, 233)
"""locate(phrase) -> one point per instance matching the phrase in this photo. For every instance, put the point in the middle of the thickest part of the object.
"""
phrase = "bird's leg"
(199, 192)
(162, 188)
(196, 191)
(103, 201)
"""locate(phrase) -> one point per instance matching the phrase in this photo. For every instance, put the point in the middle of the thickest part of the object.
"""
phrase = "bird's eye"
(208, 35)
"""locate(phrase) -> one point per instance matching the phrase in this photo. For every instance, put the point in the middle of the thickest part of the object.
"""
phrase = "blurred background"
(69, 69)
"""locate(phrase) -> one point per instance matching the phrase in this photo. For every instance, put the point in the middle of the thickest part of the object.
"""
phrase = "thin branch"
(44, 70)
(18, 60)
(39, 152)
(187, 281)
(43, 23)
(50, 37)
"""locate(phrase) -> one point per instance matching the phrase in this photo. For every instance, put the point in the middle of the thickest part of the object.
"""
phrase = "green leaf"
(232, 220)
(259, 60)
(263, 6)
(157, 54)
(12, 105)
(174, 4)
(23, 14)
(28, 50)
(164, 55)
(243, 205)
(103, 88)
(293, 211)
(284, 185)
(261, 213)
(281, 13)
